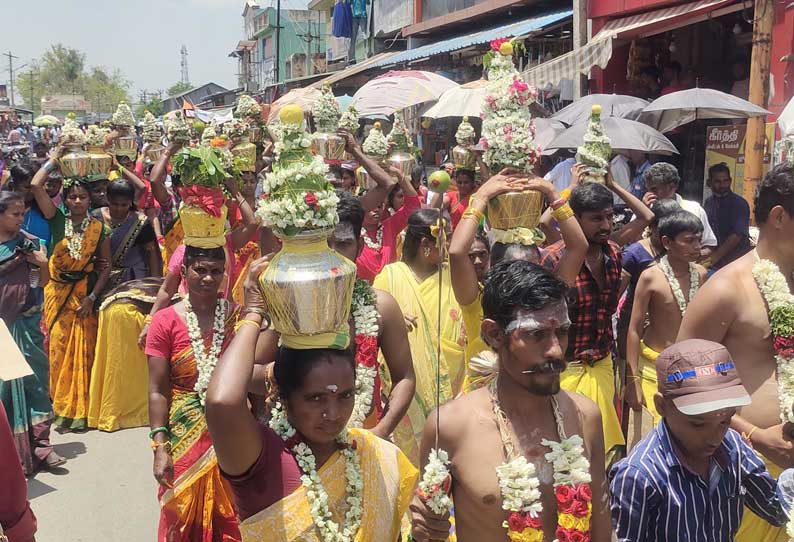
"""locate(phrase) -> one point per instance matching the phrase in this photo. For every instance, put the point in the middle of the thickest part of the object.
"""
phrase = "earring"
(427, 252)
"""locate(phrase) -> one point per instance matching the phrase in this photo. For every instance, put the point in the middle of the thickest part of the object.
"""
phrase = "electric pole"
(183, 64)
(11, 58)
(278, 39)
(32, 97)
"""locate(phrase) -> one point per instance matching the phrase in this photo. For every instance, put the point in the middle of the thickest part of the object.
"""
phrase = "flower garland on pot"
(123, 117)
(326, 111)
(675, 286)
(399, 138)
(151, 132)
(596, 150)
(74, 237)
(248, 108)
(349, 120)
(206, 360)
(465, 133)
(780, 306)
(376, 145)
(177, 129)
(365, 318)
(330, 531)
(95, 136)
(71, 134)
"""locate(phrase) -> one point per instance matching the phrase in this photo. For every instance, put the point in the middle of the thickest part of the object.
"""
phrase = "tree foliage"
(178, 88)
(154, 106)
(62, 70)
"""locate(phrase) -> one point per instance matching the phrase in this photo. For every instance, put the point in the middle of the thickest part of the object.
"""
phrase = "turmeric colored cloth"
(389, 482)
(172, 239)
(477, 373)
(421, 300)
(597, 382)
(650, 383)
(242, 262)
(72, 338)
(199, 506)
(755, 529)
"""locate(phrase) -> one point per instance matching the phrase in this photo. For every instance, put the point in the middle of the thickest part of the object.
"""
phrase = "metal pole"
(278, 40)
(580, 37)
(11, 58)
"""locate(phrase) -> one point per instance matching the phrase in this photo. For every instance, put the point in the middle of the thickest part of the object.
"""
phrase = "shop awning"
(355, 69)
(598, 50)
(521, 28)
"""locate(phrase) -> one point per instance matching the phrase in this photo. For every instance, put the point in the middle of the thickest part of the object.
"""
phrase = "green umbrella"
(46, 120)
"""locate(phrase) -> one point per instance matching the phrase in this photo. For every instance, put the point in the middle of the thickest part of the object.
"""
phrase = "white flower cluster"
(151, 132)
(349, 120)
(297, 172)
(291, 141)
(376, 145)
(247, 107)
(773, 286)
(235, 128)
(507, 130)
(465, 134)
(519, 486)
(95, 135)
(377, 244)
(365, 314)
(596, 150)
(71, 133)
(209, 133)
(291, 211)
(123, 116)
(178, 129)
(330, 531)
(675, 286)
(326, 112)
(74, 238)
(365, 389)
(571, 466)
(434, 478)
(399, 137)
(205, 360)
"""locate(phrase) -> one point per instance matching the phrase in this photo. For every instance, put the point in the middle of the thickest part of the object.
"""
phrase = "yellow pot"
(515, 210)
(245, 153)
(202, 229)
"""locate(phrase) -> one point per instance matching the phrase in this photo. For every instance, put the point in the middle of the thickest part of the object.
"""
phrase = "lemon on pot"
(506, 48)
(291, 114)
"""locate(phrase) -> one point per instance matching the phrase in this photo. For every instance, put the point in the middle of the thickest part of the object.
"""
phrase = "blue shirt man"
(729, 216)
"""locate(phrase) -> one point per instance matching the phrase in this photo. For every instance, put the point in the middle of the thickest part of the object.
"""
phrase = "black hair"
(76, 183)
(467, 172)
(120, 188)
(194, 253)
(392, 193)
(22, 173)
(418, 228)
(7, 198)
(662, 208)
(722, 167)
(292, 365)
(417, 173)
(776, 188)
(661, 174)
(590, 197)
(673, 225)
(350, 211)
(482, 238)
(501, 252)
(518, 284)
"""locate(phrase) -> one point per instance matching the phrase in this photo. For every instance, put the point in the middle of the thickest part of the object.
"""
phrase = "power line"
(11, 58)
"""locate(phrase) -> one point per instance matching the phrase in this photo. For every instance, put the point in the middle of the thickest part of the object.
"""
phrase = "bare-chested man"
(662, 295)
(731, 310)
(526, 323)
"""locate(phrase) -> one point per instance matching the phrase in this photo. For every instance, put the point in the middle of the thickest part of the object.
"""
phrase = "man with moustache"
(729, 217)
(526, 323)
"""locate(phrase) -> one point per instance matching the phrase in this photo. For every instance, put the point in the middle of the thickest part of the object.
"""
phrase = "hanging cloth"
(342, 20)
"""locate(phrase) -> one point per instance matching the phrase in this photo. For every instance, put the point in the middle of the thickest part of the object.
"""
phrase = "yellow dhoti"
(650, 385)
(597, 382)
(755, 529)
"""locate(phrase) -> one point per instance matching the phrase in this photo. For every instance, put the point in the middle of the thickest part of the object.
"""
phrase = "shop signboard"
(725, 144)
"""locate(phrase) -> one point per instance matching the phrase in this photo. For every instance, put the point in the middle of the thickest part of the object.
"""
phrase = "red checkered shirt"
(590, 337)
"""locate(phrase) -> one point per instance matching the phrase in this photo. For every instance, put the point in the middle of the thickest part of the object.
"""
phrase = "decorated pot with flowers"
(152, 138)
(249, 110)
(376, 146)
(124, 123)
(462, 154)
(349, 122)
(99, 161)
(307, 286)
(243, 150)
(399, 140)
(75, 161)
(325, 141)
(177, 129)
(596, 149)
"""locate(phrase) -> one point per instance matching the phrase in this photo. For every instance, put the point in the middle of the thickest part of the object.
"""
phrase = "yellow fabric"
(472, 322)
(205, 242)
(72, 338)
(389, 481)
(173, 238)
(421, 300)
(755, 529)
(119, 391)
(650, 384)
(597, 382)
(320, 340)
(244, 257)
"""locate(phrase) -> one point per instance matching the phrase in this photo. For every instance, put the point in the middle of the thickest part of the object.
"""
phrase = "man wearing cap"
(691, 476)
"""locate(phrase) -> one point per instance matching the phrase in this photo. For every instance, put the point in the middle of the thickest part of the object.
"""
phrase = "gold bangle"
(562, 213)
(475, 214)
(746, 436)
(147, 320)
(244, 321)
(566, 193)
(165, 444)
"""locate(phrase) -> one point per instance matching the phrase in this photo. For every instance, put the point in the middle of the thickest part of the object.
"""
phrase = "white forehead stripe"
(539, 319)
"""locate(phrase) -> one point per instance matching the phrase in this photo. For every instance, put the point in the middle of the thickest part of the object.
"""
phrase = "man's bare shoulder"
(723, 284)
(586, 408)
(458, 413)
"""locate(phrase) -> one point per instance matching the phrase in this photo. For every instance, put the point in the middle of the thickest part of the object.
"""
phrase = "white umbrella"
(624, 134)
(786, 120)
(612, 105)
(396, 90)
(546, 130)
(463, 101)
(678, 108)
(304, 97)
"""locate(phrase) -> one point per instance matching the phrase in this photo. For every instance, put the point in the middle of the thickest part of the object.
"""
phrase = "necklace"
(520, 486)
(675, 286)
(74, 238)
(205, 360)
(365, 317)
(330, 531)
(377, 244)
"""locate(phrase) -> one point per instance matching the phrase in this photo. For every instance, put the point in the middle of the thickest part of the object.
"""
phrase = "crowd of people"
(501, 349)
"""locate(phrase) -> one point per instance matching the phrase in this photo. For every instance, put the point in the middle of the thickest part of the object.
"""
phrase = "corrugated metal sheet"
(520, 28)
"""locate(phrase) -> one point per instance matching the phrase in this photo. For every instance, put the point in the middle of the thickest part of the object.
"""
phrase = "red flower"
(578, 509)
(311, 199)
(532, 522)
(367, 350)
(515, 521)
(784, 346)
(565, 496)
(578, 536)
(563, 534)
(496, 44)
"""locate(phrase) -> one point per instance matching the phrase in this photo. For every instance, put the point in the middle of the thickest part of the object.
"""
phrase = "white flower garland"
(316, 494)
(520, 486)
(376, 144)
(71, 134)
(74, 238)
(349, 120)
(377, 244)
(571, 466)
(675, 286)
(773, 286)
(205, 361)
(365, 318)
(465, 134)
(434, 485)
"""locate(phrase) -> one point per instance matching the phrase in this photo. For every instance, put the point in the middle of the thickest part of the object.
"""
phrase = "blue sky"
(140, 37)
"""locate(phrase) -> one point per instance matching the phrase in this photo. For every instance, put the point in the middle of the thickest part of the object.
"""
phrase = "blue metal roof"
(485, 36)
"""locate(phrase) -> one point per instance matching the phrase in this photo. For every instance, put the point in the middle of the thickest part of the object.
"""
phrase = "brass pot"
(328, 145)
(201, 228)
(154, 152)
(403, 161)
(257, 134)
(100, 161)
(464, 158)
(126, 145)
(244, 153)
(515, 210)
(308, 287)
(75, 162)
(363, 180)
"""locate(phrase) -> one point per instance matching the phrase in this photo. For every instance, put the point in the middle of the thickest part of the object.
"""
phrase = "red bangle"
(556, 204)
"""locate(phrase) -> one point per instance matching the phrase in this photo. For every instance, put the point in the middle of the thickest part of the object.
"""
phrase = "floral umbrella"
(303, 97)
(396, 90)
(46, 120)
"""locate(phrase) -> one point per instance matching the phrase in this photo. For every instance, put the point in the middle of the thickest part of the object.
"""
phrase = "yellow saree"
(389, 481)
(72, 338)
(421, 300)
